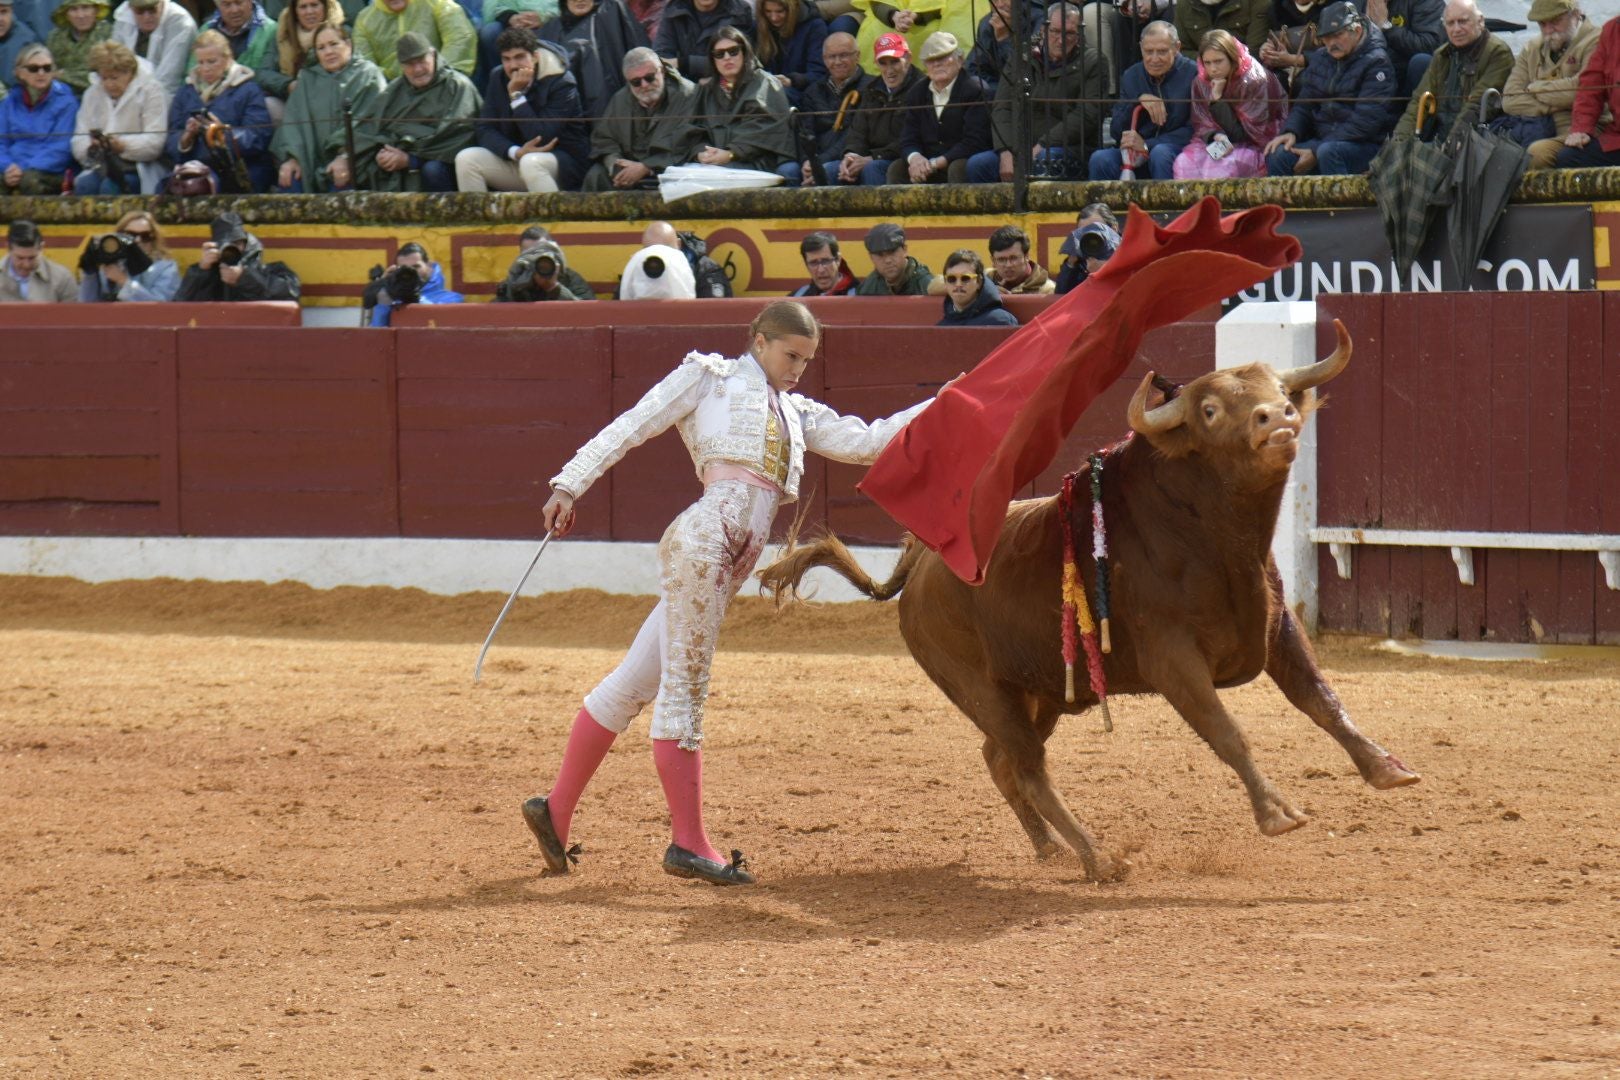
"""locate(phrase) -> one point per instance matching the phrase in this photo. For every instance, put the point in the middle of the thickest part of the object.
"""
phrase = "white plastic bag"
(679, 181)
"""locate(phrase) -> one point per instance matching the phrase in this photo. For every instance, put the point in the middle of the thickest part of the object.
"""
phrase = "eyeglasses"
(726, 53)
(139, 234)
(820, 264)
(38, 69)
(644, 80)
(961, 279)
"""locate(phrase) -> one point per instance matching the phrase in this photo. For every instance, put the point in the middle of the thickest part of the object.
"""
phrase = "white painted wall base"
(437, 566)
(1284, 336)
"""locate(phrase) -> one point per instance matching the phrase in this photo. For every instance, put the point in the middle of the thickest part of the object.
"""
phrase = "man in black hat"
(1347, 101)
(894, 271)
(27, 275)
(232, 267)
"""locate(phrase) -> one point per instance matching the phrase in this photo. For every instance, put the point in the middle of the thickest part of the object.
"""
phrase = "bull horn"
(1297, 379)
(1144, 421)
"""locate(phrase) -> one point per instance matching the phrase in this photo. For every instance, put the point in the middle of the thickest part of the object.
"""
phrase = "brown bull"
(1189, 504)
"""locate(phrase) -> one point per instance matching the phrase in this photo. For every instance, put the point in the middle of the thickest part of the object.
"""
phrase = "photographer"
(657, 272)
(232, 267)
(133, 266)
(413, 279)
(1085, 251)
(536, 275)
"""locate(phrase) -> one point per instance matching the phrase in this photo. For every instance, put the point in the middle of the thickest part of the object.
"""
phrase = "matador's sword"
(510, 600)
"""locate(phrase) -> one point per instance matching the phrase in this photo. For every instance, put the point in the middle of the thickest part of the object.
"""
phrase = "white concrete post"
(1284, 336)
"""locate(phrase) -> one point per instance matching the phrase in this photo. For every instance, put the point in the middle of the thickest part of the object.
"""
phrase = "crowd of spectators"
(602, 95)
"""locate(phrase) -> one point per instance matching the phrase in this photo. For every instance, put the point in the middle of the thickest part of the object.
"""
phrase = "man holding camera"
(536, 275)
(27, 275)
(1093, 242)
(413, 279)
(232, 267)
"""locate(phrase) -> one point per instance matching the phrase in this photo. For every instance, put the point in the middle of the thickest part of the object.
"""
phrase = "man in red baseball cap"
(874, 132)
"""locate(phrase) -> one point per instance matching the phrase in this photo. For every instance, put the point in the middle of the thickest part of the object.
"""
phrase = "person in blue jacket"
(14, 34)
(1347, 102)
(36, 126)
(415, 277)
(531, 135)
(1161, 85)
(789, 37)
(225, 91)
(971, 299)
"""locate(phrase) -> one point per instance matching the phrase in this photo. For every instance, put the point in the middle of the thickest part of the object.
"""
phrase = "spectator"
(571, 279)
(1247, 20)
(26, 274)
(36, 15)
(791, 37)
(413, 279)
(295, 45)
(1152, 120)
(422, 121)
(649, 14)
(657, 272)
(597, 35)
(830, 275)
(1541, 91)
(1076, 267)
(130, 109)
(876, 130)
(1412, 30)
(1471, 61)
(970, 300)
(250, 34)
(1238, 106)
(36, 122)
(917, 21)
(112, 281)
(947, 119)
(647, 126)
(161, 33)
(1114, 29)
(742, 111)
(894, 271)
(709, 277)
(1590, 142)
(1065, 117)
(689, 26)
(14, 34)
(530, 15)
(827, 111)
(531, 137)
(311, 138)
(991, 56)
(232, 267)
(537, 276)
(1343, 112)
(379, 29)
(1293, 35)
(223, 90)
(81, 25)
(1012, 269)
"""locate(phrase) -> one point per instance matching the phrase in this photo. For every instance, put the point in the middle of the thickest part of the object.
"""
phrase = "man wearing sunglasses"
(646, 128)
(971, 300)
(36, 127)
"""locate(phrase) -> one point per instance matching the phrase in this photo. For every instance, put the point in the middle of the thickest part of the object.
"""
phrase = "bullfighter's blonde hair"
(784, 318)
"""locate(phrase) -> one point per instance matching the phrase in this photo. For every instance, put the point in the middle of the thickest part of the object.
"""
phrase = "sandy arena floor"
(255, 830)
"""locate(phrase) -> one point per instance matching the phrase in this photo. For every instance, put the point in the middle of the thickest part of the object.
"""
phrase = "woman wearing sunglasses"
(742, 109)
(160, 281)
(689, 27)
(971, 299)
(36, 127)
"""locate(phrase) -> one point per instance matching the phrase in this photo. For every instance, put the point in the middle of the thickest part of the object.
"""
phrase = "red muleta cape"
(950, 474)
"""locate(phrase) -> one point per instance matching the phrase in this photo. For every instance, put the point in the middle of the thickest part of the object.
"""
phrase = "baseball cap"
(227, 227)
(940, 43)
(885, 237)
(411, 46)
(1337, 17)
(890, 45)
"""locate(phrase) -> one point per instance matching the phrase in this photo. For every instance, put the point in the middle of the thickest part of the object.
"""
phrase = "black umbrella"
(1411, 181)
(1489, 168)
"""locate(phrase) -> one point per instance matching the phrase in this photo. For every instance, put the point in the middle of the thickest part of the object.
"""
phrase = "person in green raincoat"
(441, 23)
(80, 26)
(742, 110)
(311, 137)
(420, 123)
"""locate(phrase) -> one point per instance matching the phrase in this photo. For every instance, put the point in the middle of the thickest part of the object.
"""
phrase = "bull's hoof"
(1390, 771)
(1280, 819)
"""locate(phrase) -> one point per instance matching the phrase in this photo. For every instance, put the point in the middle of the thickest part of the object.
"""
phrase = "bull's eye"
(1209, 412)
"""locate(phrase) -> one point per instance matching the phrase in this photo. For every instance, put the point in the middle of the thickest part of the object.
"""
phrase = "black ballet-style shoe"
(538, 816)
(681, 863)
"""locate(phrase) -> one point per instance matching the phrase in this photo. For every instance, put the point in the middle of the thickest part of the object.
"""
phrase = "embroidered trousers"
(704, 558)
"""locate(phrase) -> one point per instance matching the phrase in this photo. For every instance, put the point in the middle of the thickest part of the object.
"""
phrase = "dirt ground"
(265, 830)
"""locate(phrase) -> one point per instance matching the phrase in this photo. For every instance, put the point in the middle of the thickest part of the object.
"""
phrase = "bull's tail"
(781, 579)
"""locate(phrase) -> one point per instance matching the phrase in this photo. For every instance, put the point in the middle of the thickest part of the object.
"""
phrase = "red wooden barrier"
(739, 312)
(246, 313)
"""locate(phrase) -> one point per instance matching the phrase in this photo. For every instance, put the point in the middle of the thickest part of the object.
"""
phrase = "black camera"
(114, 247)
(230, 255)
(404, 285)
(1098, 241)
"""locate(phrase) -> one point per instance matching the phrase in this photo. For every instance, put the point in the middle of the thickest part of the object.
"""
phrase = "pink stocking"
(588, 744)
(681, 773)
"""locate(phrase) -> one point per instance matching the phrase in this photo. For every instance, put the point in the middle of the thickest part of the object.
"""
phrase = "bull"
(1190, 503)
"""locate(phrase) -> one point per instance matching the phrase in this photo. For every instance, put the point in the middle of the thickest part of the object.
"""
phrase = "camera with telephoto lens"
(1098, 241)
(113, 248)
(230, 254)
(404, 285)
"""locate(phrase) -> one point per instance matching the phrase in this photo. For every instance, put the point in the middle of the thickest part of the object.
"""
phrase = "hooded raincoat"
(71, 50)
(749, 119)
(433, 123)
(312, 131)
(378, 28)
(1250, 112)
